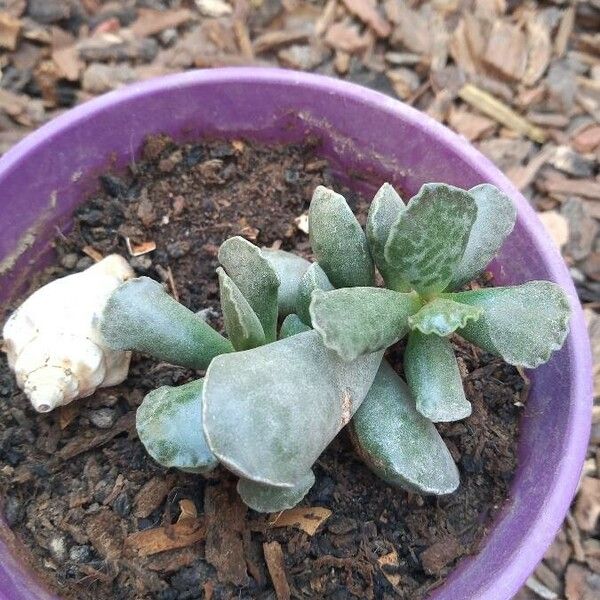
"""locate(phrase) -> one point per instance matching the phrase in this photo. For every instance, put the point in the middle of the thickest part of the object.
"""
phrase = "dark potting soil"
(88, 506)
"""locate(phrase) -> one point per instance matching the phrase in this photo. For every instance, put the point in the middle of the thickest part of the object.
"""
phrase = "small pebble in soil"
(58, 548)
(103, 418)
(122, 504)
(80, 554)
(13, 511)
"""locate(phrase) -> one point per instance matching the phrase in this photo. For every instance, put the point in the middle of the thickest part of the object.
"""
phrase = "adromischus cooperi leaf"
(338, 241)
(141, 316)
(443, 316)
(385, 209)
(360, 320)
(434, 378)
(313, 279)
(289, 268)
(523, 324)
(292, 325)
(496, 215)
(255, 278)
(271, 411)
(269, 499)
(397, 443)
(427, 241)
(169, 424)
(241, 323)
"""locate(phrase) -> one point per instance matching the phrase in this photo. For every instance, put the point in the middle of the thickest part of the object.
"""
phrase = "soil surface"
(92, 508)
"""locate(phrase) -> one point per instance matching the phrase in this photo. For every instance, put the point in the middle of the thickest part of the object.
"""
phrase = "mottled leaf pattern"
(338, 241)
(356, 321)
(292, 325)
(443, 316)
(523, 324)
(397, 443)
(141, 316)
(289, 268)
(313, 279)
(428, 240)
(270, 499)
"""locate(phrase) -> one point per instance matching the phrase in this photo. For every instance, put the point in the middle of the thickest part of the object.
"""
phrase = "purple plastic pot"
(367, 136)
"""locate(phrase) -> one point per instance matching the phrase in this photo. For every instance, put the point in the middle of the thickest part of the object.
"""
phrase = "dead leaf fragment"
(506, 51)
(307, 519)
(170, 537)
(105, 532)
(139, 249)
(367, 12)
(440, 554)
(587, 506)
(151, 495)
(10, 28)
(151, 22)
(389, 563)
(345, 37)
(92, 253)
(276, 565)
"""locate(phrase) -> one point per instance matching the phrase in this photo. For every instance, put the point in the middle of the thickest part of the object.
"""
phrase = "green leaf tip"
(269, 499)
(443, 316)
(313, 279)
(428, 239)
(338, 241)
(292, 325)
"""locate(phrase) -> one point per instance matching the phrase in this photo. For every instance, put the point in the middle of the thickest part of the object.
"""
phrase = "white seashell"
(53, 342)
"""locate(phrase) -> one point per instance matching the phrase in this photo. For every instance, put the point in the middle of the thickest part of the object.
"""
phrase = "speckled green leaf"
(384, 211)
(255, 278)
(397, 443)
(270, 499)
(442, 316)
(289, 268)
(523, 324)
(141, 316)
(356, 321)
(338, 241)
(427, 241)
(169, 424)
(270, 412)
(496, 215)
(434, 378)
(313, 279)
(292, 325)
(241, 323)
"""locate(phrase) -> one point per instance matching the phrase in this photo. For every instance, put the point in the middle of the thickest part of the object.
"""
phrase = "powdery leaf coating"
(292, 325)
(384, 211)
(289, 268)
(338, 241)
(255, 278)
(496, 215)
(313, 279)
(356, 321)
(443, 316)
(397, 443)
(269, 499)
(169, 424)
(523, 324)
(434, 378)
(427, 241)
(241, 323)
(141, 316)
(270, 412)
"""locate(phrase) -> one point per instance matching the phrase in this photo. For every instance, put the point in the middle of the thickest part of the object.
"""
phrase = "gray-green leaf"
(269, 499)
(255, 278)
(338, 241)
(241, 323)
(141, 316)
(292, 325)
(270, 412)
(397, 443)
(496, 215)
(434, 378)
(169, 424)
(427, 241)
(523, 324)
(313, 279)
(384, 211)
(443, 316)
(357, 321)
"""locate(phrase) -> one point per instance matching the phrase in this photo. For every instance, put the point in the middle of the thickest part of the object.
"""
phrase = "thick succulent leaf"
(141, 316)
(338, 241)
(357, 321)
(255, 278)
(434, 378)
(397, 443)
(169, 424)
(289, 268)
(313, 279)
(241, 323)
(427, 241)
(270, 499)
(523, 324)
(292, 325)
(442, 316)
(270, 412)
(496, 215)
(384, 211)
